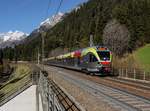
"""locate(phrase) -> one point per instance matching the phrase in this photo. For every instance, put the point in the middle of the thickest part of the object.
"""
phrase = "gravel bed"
(86, 100)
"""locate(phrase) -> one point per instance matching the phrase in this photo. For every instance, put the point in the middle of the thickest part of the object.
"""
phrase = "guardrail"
(66, 101)
(54, 98)
(49, 101)
(133, 73)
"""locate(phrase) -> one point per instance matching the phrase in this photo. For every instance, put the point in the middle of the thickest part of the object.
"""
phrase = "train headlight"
(99, 65)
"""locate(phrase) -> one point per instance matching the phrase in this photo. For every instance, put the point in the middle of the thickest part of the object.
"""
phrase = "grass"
(139, 59)
(20, 76)
(142, 56)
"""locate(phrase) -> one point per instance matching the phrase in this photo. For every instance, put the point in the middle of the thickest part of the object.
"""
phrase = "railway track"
(129, 86)
(123, 94)
(141, 85)
(120, 98)
(133, 88)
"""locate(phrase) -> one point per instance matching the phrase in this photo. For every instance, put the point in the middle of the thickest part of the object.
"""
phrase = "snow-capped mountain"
(9, 38)
(47, 24)
(53, 20)
(12, 36)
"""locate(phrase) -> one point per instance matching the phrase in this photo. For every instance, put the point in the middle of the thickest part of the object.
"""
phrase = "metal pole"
(119, 72)
(91, 40)
(144, 76)
(126, 72)
(48, 94)
(37, 99)
(43, 44)
(53, 101)
(38, 57)
(134, 74)
(122, 72)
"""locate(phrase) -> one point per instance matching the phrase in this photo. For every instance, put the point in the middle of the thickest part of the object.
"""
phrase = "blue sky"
(26, 15)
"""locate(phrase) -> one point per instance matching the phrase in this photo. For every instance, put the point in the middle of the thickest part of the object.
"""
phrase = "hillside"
(140, 59)
(122, 25)
(142, 56)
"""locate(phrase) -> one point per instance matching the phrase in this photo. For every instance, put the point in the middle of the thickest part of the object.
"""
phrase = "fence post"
(32, 78)
(37, 98)
(48, 96)
(122, 72)
(134, 74)
(144, 76)
(53, 101)
(119, 72)
(126, 72)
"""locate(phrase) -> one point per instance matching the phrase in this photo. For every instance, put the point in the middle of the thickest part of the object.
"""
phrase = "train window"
(93, 58)
(78, 59)
(86, 58)
(104, 55)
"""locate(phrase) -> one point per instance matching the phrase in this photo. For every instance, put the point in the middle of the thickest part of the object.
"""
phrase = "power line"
(61, 1)
(57, 10)
(49, 3)
(43, 34)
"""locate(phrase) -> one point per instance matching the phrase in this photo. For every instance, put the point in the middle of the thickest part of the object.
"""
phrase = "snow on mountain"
(53, 20)
(47, 24)
(12, 36)
(7, 39)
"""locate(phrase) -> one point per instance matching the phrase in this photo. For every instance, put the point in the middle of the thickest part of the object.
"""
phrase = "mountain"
(45, 26)
(10, 38)
(50, 22)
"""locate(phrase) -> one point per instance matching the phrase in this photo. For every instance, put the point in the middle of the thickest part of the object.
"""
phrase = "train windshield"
(104, 55)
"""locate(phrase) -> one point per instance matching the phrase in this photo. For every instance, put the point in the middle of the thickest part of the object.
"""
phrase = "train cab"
(105, 57)
(96, 60)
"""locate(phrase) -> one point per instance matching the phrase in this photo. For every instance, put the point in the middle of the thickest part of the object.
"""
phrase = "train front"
(105, 57)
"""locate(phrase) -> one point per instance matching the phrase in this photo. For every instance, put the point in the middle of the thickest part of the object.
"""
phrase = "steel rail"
(123, 99)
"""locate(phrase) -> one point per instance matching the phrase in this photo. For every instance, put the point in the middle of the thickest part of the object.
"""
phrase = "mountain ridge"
(10, 38)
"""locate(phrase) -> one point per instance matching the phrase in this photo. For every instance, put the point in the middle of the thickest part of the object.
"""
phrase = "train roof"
(82, 52)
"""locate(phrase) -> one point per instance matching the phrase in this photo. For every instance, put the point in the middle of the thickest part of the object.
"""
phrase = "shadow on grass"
(1, 96)
(15, 80)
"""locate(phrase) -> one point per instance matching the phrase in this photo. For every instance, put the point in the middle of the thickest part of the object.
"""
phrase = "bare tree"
(116, 36)
(58, 51)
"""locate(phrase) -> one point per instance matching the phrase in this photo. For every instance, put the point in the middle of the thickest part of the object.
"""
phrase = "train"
(95, 60)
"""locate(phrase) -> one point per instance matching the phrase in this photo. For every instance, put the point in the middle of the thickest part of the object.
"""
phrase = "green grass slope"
(142, 56)
(19, 78)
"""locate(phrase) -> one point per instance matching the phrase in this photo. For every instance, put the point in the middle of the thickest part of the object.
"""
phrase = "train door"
(77, 61)
(92, 65)
(85, 61)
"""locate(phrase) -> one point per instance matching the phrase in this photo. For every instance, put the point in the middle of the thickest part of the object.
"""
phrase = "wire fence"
(66, 101)
(49, 100)
(8, 91)
(52, 97)
(133, 73)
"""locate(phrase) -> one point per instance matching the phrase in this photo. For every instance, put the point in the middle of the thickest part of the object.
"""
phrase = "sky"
(26, 15)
